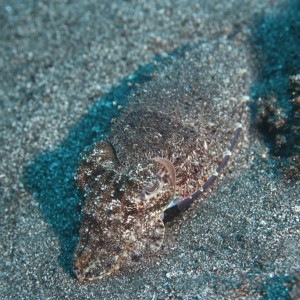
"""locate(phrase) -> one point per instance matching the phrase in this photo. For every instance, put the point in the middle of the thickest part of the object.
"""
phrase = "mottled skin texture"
(183, 116)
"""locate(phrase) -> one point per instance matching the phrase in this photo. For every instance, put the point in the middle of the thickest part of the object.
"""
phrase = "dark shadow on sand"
(276, 51)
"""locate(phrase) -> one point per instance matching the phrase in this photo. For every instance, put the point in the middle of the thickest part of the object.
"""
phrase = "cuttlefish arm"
(179, 204)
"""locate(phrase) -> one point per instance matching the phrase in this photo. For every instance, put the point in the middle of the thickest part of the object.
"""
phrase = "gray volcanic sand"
(62, 65)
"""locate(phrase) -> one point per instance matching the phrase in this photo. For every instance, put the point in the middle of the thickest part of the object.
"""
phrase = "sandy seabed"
(62, 67)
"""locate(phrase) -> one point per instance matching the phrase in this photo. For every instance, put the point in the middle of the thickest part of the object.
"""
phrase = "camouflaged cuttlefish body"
(167, 146)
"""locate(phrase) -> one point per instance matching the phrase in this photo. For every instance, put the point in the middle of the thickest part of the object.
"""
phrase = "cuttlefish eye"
(121, 218)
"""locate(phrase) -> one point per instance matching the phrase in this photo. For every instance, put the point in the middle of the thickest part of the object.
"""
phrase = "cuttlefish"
(166, 149)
